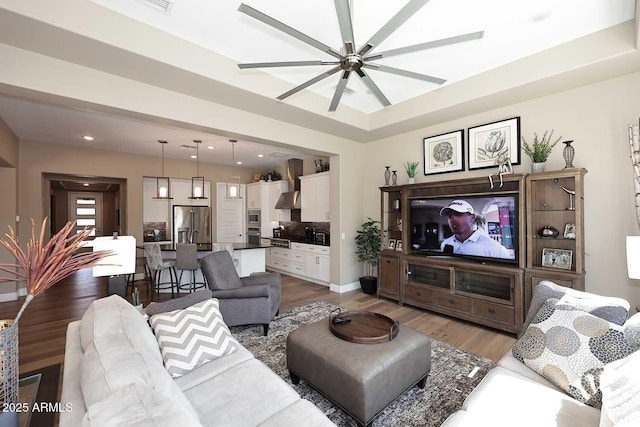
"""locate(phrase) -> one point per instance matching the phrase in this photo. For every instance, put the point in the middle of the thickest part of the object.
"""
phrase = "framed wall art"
(570, 231)
(488, 143)
(444, 153)
(557, 258)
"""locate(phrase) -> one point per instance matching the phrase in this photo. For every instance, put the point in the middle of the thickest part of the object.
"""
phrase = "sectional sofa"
(114, 376)
(514, 394)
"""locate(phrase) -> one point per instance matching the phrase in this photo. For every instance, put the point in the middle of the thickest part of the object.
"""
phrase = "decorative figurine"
(572, 195)
(504, 167)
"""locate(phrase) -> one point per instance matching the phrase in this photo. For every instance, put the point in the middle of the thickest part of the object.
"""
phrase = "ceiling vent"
(162, 5)
(187, 147)
(278, 154)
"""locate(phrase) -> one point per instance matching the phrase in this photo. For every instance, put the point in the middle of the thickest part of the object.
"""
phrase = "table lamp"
(633, 257)
(118, 265)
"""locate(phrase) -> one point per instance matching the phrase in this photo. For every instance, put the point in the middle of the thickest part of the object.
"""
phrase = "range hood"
(291, 199)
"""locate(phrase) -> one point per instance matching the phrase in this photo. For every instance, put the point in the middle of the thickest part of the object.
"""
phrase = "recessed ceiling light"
(193, 156)
(87, 137)
(261, 155)
(211, 147)
(85, 184)
(238, 162)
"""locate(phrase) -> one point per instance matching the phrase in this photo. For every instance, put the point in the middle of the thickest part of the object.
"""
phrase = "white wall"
(596, 118)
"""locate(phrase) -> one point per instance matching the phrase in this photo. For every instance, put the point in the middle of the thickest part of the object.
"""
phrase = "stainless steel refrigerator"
(191, 224)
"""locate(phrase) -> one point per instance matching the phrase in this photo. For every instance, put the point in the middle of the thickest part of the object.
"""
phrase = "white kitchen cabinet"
(276, 188)
(311, 261)
(154, 210)
(315, 197)
(181, 191)
(256, 193)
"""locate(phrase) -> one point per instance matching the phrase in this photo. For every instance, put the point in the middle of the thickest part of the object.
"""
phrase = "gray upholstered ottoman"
(360, 378)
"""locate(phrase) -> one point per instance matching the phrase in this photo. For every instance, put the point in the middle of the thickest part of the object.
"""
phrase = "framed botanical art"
(493, 141)
(444, 153)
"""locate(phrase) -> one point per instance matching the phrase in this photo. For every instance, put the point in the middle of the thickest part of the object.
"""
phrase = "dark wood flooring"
(44, 323)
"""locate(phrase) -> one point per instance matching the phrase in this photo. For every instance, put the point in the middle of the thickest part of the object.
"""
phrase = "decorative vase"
(387, 175)
(568, 153)
(412, 180)
(394, 178)
(548, 231)
(538, 167)
(9, 369)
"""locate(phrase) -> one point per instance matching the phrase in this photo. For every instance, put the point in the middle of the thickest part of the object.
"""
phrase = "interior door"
(86, 209)
(231, 214)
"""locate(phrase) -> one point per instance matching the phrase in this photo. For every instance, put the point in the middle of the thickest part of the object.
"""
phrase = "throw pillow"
(570, 347)
(611, 309)
(620, 391)
(191, 337)
(178, 303)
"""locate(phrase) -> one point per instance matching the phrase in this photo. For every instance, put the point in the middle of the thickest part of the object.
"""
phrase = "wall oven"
(253, 235)
(253, 218)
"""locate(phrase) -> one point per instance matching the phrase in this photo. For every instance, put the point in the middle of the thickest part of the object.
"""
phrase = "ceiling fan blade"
(285, 64)
(374, 88)
(256, 14)
(342, 84)
(309, 82)
(387, 29)
(346, 27)
(405, 73)
(428, 45)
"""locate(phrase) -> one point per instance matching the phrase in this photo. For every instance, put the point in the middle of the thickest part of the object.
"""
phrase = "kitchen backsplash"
(148, 231)
(295, 230)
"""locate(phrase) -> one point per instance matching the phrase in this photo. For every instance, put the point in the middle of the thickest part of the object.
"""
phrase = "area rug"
(448, 383)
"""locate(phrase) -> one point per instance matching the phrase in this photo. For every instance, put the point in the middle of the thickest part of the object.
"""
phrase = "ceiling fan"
(352, 59)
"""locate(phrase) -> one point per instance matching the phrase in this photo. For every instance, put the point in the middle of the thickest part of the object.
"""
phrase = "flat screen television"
(494, 224)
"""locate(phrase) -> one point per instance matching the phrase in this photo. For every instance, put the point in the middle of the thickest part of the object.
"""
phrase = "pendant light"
(197, 182)
(233, 182)
(163, 186)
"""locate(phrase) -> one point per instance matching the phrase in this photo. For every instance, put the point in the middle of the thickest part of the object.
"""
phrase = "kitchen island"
(248, 258)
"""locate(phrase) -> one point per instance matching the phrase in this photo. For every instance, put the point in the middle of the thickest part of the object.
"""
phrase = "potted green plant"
(540, 149)
(368, 244)
(411, 168)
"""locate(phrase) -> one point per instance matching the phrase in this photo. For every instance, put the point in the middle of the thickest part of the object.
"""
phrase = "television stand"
(494, 294)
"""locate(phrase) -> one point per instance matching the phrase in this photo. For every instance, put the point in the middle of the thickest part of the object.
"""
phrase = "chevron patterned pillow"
(191, 337)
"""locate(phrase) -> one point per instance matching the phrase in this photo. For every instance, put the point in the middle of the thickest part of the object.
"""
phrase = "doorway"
(85, 208)
(93, 201)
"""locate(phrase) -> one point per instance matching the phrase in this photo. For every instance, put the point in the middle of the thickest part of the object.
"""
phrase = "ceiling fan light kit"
(350, 60)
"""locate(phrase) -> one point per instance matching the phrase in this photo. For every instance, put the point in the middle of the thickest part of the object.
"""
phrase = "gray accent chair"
(250, 300)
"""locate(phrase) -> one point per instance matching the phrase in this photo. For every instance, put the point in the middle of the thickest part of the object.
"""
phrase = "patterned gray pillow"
(570, 348)
(611, 309)
(191, 337)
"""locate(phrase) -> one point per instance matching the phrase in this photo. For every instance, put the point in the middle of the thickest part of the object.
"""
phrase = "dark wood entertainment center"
(484, 291)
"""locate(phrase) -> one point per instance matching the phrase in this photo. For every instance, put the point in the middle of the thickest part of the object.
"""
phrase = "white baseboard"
(344, 288)
(9, 296)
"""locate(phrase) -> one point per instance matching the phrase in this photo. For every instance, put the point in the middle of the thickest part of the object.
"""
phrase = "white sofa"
(514, 395)
(114, 376)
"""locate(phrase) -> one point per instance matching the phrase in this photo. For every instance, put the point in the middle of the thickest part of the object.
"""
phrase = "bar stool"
(187, 259)
(131, 278)
(157, 265)
(226, 247)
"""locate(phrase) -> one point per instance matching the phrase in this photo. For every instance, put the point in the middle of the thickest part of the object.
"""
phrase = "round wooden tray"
(364, 327)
